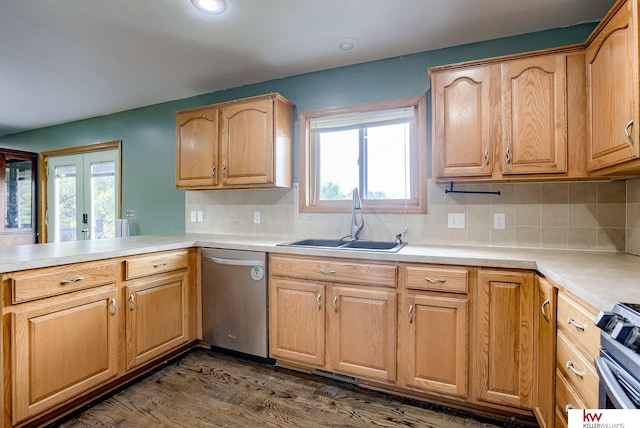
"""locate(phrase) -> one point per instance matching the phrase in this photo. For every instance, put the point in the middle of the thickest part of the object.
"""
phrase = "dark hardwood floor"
(207, 389)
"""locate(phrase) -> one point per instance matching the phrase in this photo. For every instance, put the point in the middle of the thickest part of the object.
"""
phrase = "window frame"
(417, 204)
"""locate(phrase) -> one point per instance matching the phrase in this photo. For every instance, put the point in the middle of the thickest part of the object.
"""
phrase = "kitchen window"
(379, 148)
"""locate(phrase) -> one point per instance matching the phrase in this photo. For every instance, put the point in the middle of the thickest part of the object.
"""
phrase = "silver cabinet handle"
(157, 265)
(70, 281)
(576, 324)
(327, 271)
(544, 314)
(573, 369)
(132, 301)
(508, 155)
(335, 303)
(627, 131)
(224, 170)
(568, 407)
(318, 300)
(410, 314)
(213, 172)
(486, 156)
(114, 308)
(434, 280)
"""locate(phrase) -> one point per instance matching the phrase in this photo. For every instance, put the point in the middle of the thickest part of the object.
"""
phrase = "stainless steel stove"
(619, 362)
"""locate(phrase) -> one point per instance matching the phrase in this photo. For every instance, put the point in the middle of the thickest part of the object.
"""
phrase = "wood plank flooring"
(207, 389)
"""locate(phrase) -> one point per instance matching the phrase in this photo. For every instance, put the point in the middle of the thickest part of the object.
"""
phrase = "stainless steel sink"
(384, 246)
(374, 245)
(331, 243)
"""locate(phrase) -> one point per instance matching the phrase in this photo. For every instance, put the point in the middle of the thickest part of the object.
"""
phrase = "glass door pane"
(82, 203)
(103, 199)
(65, 203)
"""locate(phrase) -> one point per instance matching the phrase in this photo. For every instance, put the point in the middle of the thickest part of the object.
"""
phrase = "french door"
(82, 196)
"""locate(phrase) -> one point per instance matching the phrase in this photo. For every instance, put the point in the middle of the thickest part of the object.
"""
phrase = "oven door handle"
(614, 391)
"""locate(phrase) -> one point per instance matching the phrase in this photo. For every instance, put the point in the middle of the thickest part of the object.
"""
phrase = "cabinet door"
(157, 321)
(434, 344)
(534, 115)
(362, 332)
(545, 352)
(62, 349)
(504, 347)
(462, 120)
(296, 321)
(247, 143)
(197, 149)
(612, 85)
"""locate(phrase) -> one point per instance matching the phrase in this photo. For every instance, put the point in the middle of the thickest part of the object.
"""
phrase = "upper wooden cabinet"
(612, 85)
(463, 129)
(534, 115)
(239, 144)
(17, 196)
(510, 118)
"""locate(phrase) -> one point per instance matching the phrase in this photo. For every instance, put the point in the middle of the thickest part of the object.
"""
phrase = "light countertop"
(601, 279)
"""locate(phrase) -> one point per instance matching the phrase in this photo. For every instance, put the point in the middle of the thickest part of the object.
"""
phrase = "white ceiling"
(63, 60)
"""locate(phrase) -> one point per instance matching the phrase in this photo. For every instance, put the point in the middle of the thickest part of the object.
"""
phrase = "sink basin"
(386, 246)
(374, 246)
(330, 243)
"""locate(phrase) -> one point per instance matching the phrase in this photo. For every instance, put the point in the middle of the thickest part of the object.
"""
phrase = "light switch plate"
(193, 217)
(130, 214)
(256, 217)
(200, 216)
(456, 221)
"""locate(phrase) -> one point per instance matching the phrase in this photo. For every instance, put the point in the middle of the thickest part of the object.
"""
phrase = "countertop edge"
(599, 278)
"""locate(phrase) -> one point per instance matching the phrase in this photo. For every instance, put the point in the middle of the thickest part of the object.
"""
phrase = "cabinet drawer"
(566, 397)
(577, 323)
(585, 381)
(48, 282)
(334, 270)
(452, 280)
(156, 263)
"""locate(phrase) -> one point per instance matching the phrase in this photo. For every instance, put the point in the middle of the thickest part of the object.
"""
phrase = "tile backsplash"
(601, 216)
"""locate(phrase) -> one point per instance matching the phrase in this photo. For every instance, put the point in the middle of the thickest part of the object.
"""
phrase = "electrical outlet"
(256, 217)
(498, 221)
(456, 221)
(200, 216)
(193, 216)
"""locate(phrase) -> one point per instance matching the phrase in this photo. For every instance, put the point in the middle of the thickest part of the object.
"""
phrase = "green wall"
(148, 133)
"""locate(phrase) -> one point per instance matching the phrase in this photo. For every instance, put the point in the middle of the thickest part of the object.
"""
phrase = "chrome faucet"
(356, 227)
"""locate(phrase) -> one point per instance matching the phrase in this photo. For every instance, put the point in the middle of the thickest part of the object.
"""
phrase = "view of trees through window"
(378, 154)
(102, 196)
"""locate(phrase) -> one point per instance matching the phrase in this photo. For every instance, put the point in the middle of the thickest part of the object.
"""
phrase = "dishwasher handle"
(234, 262)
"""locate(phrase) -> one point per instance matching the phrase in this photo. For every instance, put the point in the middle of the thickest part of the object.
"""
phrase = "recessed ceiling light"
(212, 7)
(347, 44)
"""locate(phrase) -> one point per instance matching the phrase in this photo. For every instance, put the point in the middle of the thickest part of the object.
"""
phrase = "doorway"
(82, 193)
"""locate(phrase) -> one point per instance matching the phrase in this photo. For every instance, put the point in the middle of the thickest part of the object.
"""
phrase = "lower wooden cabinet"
(504, 338)
(362, 332)
(339, 324)
(545, 351)
(434, 352)
(296, 321)
(71, 330)
(157, 316)
(62, 348)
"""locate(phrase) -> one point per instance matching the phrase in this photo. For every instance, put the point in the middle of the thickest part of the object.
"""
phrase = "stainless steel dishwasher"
(234, 300)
